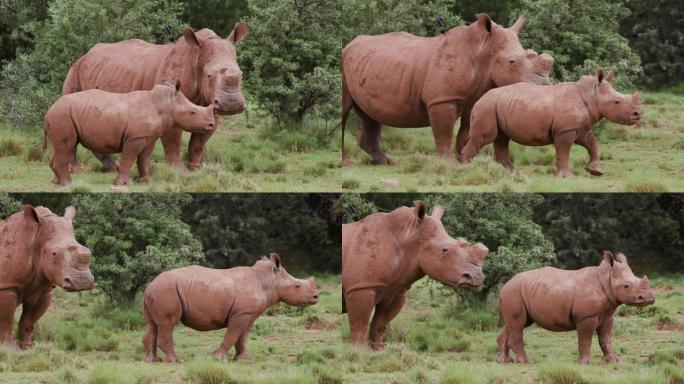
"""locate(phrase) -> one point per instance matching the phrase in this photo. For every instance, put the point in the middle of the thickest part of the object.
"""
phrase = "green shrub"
(327, 375)
(559, 374)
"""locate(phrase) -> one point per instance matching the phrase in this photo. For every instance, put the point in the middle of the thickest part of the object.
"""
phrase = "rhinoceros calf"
(207, 299)
(560, 114)
(38, 252)
(129, 123)
(384, 253)
(406, 81)
(204, 62)
(559, 300)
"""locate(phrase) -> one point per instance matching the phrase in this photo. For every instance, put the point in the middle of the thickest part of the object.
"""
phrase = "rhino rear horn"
(437, 212)
(419, 209)
(30, 213)
(517, 26)
(70, 213)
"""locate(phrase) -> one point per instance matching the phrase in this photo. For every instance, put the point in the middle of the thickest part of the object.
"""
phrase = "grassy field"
(247, 155)
(434, 340)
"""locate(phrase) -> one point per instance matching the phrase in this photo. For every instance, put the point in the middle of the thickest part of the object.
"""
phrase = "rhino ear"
(608, 257)
(517, 26)
(239, 32)
(437, 212)
(177, 85)
(70, 213)
(30, 214)
(275, 258)
(599, 74)
(190, 37)
(419, 209)
(484, 22)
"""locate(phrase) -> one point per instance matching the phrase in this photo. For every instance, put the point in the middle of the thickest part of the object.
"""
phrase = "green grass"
(248, 154)
(291, 345)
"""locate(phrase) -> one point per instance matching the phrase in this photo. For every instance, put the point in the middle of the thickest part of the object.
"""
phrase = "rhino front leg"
(462, 137)
(144, 160)
(130, 152)
(359, 307)
(384, 313)
(563, 142)
(237, 325)
(241, 345)
(196, 149)
(589, 142)
(605, 336)
(442, 119)
(585, 332)
(30, 315)
(171, 141)
(8, 305)
(108, 164)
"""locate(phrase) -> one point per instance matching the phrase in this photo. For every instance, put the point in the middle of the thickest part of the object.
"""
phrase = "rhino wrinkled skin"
(401, 80)
(384, 253)
(560, 114)
(38, 252)
(129, 123)
(207, 299)
(559, 300)
(205, 63)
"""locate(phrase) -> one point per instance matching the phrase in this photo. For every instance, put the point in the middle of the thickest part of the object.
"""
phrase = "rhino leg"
(463, 131)
(384, 313)
(237, 325)
(589, 142)
(442, 119)
(585, 332)
(241, 344)
(143, 162)
(369, 138)
(8, 305)
(130, 152)
(484, 130)
(502, 342)
(150, 342)
(171, 141)
(605, 335)
(360, 304)
(516, 318)
(563, 142)
(196, 149)
(74, 167)
(502, 153)
(162, 311)
(108, 164)
(30, 315)
(60, 166)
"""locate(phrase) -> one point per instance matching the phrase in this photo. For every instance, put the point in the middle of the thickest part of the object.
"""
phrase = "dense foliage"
(217, 15)
(34, 80)
(8, 205)
(134, 237)
(580, 35)
(236, 229)
(293, 53)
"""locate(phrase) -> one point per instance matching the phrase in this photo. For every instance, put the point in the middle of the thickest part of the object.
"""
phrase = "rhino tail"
(347, 105)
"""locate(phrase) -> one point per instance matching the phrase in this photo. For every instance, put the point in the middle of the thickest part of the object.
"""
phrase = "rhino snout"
(81, 281)
(229, 103)
(645, 299)
(471, 279)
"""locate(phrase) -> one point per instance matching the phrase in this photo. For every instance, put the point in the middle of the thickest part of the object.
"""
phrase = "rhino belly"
(550, 305)
(525, 123)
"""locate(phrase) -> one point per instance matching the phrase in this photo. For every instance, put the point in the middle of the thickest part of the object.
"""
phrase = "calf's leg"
(384, 313)
(60, 166)
(237, 325)
(360, 304)
(30, 315)
(502, 153)
(241, 345)
(171, 141)
(605, 335)
(585, 332)
(589, 142)
(196, 149)
(144, 159)
(563, 143)
(130, 152)
(502, 342)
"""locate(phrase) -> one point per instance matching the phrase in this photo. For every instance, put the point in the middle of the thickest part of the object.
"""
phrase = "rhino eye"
(193, 112)
(617, 101)
(298, 286)
(54, 253)
(626, 286)
(511, 61)
(445, 249)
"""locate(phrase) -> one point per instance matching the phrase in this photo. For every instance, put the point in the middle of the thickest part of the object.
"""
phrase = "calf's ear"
(239, 32)
(177, 85)
(30, 214)
(70, 213)
(419, 209)
(190, 37)
(608, 257)
(599, 74)
(484, 22)
(275, 258)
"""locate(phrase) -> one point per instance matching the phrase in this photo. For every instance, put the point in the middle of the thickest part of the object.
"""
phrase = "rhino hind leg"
(384, 313)
(60, 166)
(516, 319)
(504, 350)
(502, 153)
(369, 139)
(150, 342)
(108, 164)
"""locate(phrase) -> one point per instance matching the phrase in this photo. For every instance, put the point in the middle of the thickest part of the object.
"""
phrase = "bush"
(292, 56)
(8, 205)
(133, 238)
(580, 35)
(34, 79)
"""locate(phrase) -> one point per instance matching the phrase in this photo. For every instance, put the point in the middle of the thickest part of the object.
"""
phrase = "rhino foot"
(172, 359)
(152, 359)
(219, 354)
(594, 169)
(610, 358)
(144, 179)
(503, 359)
(564, 173)
(583, 360)
(25, 345)
(382, 160)
(74, 168)
(242, 356)
(194, 166)
(121, 180)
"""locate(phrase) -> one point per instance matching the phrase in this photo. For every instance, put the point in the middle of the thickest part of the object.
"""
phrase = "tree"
(580, 35)
(133, 238)
(654, 29)
(14, 14)
(8, 205)
(32, 82)
(237, 229)
(291, 59)
(217, 15)
(645, 226)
